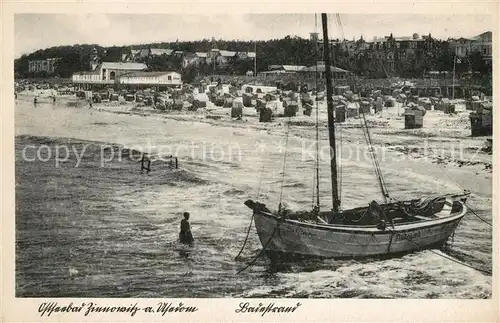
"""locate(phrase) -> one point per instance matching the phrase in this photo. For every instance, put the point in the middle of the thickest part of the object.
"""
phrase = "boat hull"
(337, 241)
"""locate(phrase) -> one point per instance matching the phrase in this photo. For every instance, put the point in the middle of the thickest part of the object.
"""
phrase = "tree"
(477, 63)
(286, 51)
(163, 63)
(445, 61)
(69, 64)
(189, 74)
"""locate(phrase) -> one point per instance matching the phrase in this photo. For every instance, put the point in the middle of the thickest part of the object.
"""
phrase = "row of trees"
(286, 51)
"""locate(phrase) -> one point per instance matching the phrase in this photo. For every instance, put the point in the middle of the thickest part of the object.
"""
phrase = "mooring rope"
(251, 219)
(460, 186)
(444, 256)
(480, 218)
(262, 250)
(246, 238)
(279, 205)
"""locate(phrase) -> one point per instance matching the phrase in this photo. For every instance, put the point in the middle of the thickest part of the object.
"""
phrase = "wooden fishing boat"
(389, 228)
(410, 226)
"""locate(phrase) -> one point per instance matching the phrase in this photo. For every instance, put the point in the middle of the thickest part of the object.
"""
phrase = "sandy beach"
(114, 234)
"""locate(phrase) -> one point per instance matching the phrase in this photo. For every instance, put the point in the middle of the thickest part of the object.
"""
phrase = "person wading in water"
(185, 235)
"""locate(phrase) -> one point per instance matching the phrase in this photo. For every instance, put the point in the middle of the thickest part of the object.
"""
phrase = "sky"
(39, 31)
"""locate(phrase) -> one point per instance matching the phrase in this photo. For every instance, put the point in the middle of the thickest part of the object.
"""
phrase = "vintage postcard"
(168, 162)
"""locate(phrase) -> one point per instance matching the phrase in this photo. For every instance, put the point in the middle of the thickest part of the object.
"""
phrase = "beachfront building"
(81, 78)
(279, 69)
(42, 65)
(190, 59)
(464, 47)
(351, 47)
(224, 57)
(246, 55)
(227, 57)
(160, 52)
(158, 80)
(337, 73)
(483, 44)
(106, 73)
(460, 47)
(110, 71)
(409, 44)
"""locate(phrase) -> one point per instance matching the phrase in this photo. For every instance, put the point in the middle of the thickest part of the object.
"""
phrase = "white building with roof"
(483, 44)
(43, 65)
(246, 55)
(86, 78)
(160, 51)
(203, 57)
(107, 73)
(225, 57)
(286, 68)
(337, 72)
(461, 47)
(150, 79)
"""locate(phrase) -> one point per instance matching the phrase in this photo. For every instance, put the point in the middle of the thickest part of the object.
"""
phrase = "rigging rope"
(449, 176)
(313, 195)
(284, 164)
(373, 155)
(373, 160)
(378, 172)
(317, 116)
(316, 83)
(339, 23)
(340, 163)
(251, 219)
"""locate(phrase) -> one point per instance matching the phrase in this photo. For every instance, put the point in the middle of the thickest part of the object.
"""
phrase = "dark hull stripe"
(389, 231)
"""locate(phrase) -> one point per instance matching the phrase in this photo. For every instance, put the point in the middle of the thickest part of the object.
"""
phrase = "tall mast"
(316, 53)
(331, 123)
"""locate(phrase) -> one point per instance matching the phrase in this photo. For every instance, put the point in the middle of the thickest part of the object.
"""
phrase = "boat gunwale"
(372, 229)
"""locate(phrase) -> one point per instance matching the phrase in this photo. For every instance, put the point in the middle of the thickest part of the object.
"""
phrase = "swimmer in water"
(185, 236)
